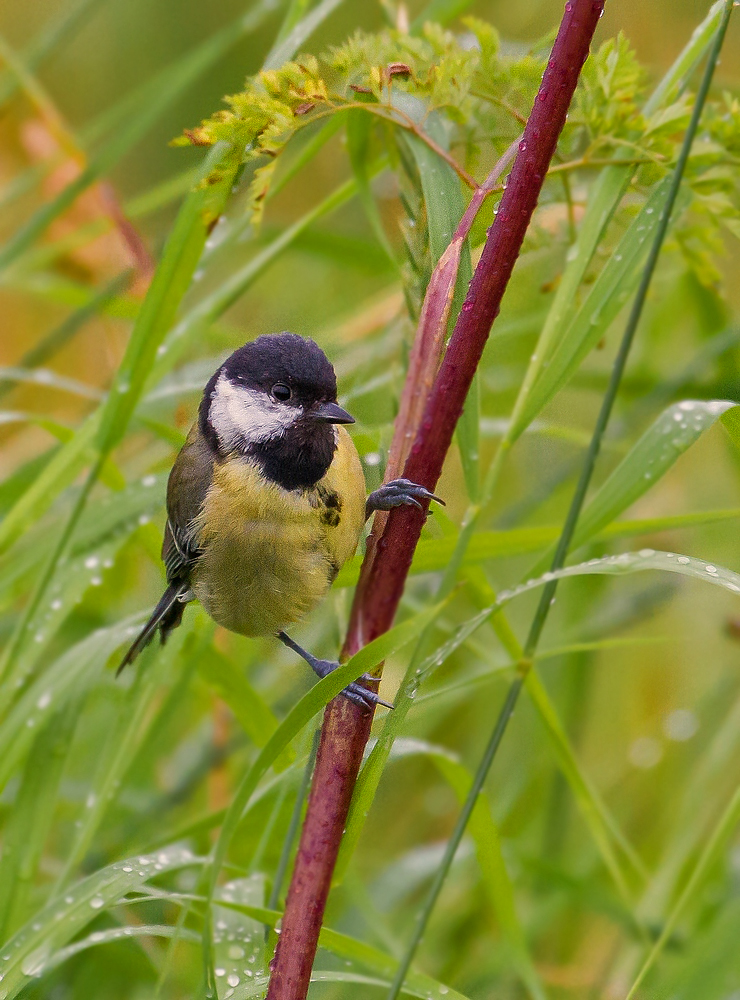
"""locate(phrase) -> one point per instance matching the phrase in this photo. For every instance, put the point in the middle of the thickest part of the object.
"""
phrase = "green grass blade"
(73, 671)
(62, 919)
(635, 562)
(61, 335)
(238, 940)
(604, 198)
(108, 519)
(716, 843)
(433, 555)
(251, 710)
(162, 194)
(306, 153)
(48, 378)
(296, 10)
(607, 296)
(673, 433)
(691, 55)
(604, 830)
(490, 857)
(312, 703)
(133, 126)
(127, 735)
(285, 49)
(112, 934)
(46, 42)
(173, 276)
(352, 950)
(74, 579)
(218, 301)
(320, 695)
(359, 131)
(53, 479)
(171, 280)
(33, 814)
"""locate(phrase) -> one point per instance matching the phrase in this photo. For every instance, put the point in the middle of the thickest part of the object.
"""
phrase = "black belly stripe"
(331, 507)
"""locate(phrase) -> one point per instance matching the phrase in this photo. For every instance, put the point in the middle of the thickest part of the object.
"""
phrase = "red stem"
(347, 727)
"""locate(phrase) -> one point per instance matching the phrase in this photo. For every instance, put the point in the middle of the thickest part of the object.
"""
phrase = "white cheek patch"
(241, 415)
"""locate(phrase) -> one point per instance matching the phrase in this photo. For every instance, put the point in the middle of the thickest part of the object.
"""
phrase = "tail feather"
(166, 616)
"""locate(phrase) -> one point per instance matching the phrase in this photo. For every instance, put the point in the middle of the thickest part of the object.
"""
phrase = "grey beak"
(332, 413)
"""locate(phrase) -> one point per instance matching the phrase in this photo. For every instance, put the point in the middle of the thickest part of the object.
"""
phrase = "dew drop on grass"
(219, 972)
(44, 701)
(33, 964)
(233, 979)
(645, 753)
(680, 725)
(97, 902)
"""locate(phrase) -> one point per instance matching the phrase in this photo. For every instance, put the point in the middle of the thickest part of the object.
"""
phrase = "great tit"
(266, 500)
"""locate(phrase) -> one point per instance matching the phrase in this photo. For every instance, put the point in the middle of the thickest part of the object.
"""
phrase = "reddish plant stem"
(346, 726)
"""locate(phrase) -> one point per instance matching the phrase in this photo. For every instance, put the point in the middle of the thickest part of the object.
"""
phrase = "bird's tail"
(166, 616)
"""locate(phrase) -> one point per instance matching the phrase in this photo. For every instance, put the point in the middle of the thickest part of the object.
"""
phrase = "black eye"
(281, 392)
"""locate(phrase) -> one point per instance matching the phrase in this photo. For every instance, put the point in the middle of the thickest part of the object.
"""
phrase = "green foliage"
(143, 821)
(612, 89)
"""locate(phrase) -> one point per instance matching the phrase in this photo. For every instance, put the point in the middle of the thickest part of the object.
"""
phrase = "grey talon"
(355, 692)
(399, 493)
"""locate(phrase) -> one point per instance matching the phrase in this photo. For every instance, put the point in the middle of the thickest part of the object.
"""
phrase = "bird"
(267, 499)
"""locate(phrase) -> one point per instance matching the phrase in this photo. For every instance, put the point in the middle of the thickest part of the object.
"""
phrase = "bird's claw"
(399, 493)
(354, 692)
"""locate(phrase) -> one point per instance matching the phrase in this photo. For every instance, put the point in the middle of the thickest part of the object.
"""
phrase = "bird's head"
(274, 397)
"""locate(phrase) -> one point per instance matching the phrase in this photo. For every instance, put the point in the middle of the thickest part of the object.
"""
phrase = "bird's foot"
(398, 493)
(355, 692)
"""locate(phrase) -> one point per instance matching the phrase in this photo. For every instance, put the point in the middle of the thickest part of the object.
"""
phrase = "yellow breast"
(269, 554)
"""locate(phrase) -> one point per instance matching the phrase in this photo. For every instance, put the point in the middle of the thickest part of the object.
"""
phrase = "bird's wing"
(189, 482)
